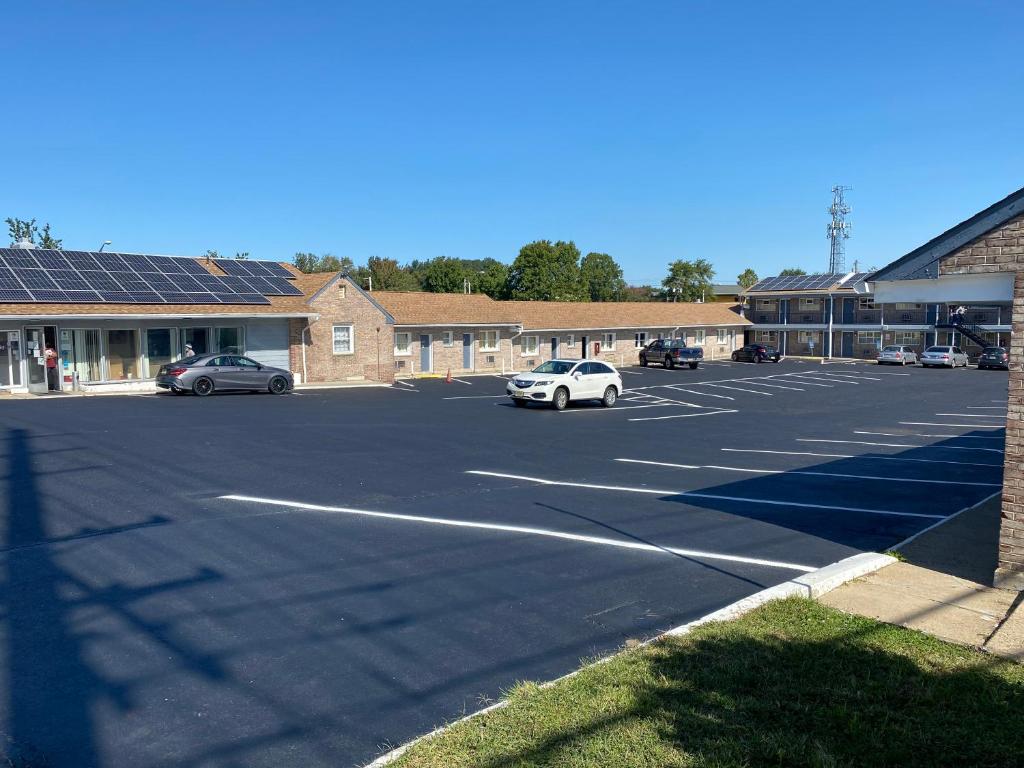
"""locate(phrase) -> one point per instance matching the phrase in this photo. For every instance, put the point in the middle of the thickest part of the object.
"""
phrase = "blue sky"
(652, 131)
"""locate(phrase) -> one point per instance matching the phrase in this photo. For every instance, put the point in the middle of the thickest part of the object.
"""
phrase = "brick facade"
(1002, 250)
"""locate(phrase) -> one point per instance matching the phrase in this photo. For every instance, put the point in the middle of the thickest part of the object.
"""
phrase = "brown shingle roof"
(421, 308)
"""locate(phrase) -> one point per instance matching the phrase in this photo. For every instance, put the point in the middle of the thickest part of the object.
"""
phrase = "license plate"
(518, 394)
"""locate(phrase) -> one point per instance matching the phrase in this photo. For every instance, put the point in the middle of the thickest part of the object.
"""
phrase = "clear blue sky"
(652, 131)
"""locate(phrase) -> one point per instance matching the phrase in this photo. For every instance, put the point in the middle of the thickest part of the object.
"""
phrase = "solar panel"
(276, 270)
(15, 294)
(282, 287)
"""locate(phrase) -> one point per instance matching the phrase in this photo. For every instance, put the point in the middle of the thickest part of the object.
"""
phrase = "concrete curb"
(810, 585)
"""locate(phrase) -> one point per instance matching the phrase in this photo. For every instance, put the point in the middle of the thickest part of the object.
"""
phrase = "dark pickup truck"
(670, 353)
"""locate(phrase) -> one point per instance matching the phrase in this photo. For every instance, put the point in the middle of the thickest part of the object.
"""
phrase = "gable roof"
(421, 308)
(559, 315)
(923, 262)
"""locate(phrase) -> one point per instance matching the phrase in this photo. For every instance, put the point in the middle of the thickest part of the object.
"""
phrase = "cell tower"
(838, 231)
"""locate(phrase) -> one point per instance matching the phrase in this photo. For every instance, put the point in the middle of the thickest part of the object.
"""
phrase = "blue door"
(425, 366)
(847, 350)
(467, 351)
(848, 307)
(554, 347)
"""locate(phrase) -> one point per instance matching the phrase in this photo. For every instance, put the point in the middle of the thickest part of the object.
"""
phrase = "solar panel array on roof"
(796, 283)
(74, 277)
(245, 268)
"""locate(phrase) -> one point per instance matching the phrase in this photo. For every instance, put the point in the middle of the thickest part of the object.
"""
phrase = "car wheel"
(610, 396)
(735, 357)
(778, 359)
(693, 366)
(670, 363)
(643, 362)
(202, 386)
(278, 385)
(561, 399)
(758, 359)
(519, 403)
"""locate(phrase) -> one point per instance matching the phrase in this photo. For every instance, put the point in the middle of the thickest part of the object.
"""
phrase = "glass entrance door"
(35, 349)
(10, 359)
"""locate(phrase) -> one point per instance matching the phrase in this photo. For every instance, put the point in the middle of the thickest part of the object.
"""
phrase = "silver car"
(897, 355)
(946, 357)
(205, 374)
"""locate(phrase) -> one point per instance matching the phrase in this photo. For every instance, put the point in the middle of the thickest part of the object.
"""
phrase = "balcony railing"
(906, 317)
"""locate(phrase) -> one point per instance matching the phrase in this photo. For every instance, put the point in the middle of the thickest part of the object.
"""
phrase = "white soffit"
(989, 287)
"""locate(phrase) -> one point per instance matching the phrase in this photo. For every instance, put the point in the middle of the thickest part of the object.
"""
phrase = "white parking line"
(631, 373)
(403, 383)
(621, 543)
(923, 434)
(702, 394)
(699, 495)
(740, 389)
(463, 381)
(686, 415)
(899, 445)
(473, 397)
(973, 415)
(805, 383)
(806, 472)
(863, 456)
(777, 386)
(944, 424)
(987, 407)
(856, 376)
(821, 377)
(395, 389)
(620, 408)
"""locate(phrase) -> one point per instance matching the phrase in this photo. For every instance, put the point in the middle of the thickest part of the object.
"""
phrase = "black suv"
(994, 357)
(670, 353)
(756, 353)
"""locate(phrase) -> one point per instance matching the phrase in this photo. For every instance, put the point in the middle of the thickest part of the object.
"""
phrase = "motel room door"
(425, 361)
(467, 352)
(554, 347)
(10, 359)
(35, 348)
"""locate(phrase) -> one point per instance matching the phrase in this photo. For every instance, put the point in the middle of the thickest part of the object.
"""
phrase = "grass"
(792, 684)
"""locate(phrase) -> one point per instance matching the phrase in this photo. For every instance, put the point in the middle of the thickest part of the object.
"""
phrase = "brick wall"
(1002, 250)
(344, 307)
(624, 351)
(445, 358)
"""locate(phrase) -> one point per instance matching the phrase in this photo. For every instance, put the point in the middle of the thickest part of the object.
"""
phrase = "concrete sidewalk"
(944, 587)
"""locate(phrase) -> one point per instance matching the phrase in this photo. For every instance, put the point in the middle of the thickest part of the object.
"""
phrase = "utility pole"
(838, 231)
(369, 280)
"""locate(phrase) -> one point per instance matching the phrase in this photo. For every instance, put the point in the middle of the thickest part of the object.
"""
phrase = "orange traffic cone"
(448, 378)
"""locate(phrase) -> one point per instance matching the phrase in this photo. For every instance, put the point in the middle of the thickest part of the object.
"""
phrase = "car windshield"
(891, 349)
(678, 344)
(554, 366)
(938, 349)
(994, 350)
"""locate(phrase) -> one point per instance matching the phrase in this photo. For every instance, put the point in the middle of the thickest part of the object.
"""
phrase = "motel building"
(114, 319)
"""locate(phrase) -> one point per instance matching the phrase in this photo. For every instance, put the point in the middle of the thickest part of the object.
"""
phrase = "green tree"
(388, 276)
(491, 278)
(792, 272)
(443, 275)
(746, 278)
(26, 229)
(310, 262)
(602, 277)
(689, 281)
(546, 271)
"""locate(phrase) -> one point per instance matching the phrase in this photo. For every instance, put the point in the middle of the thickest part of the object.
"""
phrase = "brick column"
(1010, 573)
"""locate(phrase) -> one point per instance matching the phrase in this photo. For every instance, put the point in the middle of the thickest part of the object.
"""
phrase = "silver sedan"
(897, 355)
(205, 374)
(947, 357)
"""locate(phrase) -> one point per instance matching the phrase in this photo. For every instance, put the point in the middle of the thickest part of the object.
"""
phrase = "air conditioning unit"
(531, 363)
(399, 365)
(490, 359)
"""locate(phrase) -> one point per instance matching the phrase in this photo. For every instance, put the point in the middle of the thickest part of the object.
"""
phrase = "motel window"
(639, 340)
(529, 345)
(722, 335)
(448, 338)
(805, 337)
(607, 341)
(402, 341)
(158, 349)
(230, 340)
(570, 340)
(764, 336)
(489, 341)
(122, 354)
(905, 305)
(806, 303)
(86, 357)
(866, 302)
(698, 337)
(869, 337)
(766, 303)
(909, 338)
(342, 338)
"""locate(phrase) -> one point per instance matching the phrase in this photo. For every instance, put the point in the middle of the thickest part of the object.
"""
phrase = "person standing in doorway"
(189, 352)
(51, 369)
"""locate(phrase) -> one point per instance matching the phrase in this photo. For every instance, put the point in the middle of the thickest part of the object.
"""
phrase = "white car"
(948, 357)
(560, 381)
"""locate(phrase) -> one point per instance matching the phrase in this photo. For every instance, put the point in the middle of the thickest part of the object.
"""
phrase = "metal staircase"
(972, 331)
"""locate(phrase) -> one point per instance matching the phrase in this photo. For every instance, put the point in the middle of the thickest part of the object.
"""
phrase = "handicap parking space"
(319, 575)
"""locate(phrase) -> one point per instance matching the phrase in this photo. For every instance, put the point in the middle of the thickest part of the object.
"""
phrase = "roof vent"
(24, 244)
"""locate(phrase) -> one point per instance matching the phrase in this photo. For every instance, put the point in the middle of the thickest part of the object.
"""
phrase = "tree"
(22, 229)
(491, 279)
(792, 272)
(602, 277)
(388, 276)
(546, 271)
(746, 278)
(214, 254)
(310, 262)
(443, 275)
(689, 281)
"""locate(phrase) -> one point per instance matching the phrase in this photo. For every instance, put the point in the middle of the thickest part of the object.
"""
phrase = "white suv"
(559, 381)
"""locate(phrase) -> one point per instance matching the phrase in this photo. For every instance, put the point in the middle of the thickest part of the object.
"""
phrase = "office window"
(342, 336)
(722, 335)
(230, 340)
(197, 338)
(805, 337)
(866, 302)
(607, 341)
(448, 338)
(764, 336)
(158, 349)
(698, 337)
(806, 303)
(489, 341)
(908, 338)
(869, 337)
(640, 340)
(122, 355)
(570, 340)
(530, 344)
(402, 341)
(85, 355)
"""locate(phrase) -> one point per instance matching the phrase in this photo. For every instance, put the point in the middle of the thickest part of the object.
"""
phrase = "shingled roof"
(420, 308)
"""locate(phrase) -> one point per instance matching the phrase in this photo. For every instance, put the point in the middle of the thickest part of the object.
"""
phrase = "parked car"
(205, 374)
(670, 353)
(897, 355)
(994, 357)
(559, 382)
(947, 357)
(756, 353)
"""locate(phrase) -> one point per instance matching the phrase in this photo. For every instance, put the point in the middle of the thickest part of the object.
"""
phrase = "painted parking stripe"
(806, 472)
(777, 386)
(702, 394)
(923, 434)
(621, 543)
(699, 495)
(855, 376)
(868, 457)
(686, 415)
(899, 445)
(973, 415)
(944, 424)
(822, 377)
(740, 389)
(403, 383)
(806, 383)
(473, 397)
(987, 407)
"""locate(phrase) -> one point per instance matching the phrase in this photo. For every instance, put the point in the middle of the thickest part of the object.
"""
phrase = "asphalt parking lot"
(302, 580)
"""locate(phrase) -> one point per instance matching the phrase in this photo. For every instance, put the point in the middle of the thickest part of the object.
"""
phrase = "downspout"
(511, 347)
(302, 340)
(831, 311)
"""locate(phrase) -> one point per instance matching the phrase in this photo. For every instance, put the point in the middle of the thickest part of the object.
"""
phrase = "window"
(722, 335)
(570, 340)
(766, 303)
(245, 362)
(905, 305)
(197, 338)
(866, 302)
(448, 338)
(698, 337)
(489, 341)
(229, 340)
(158, 349)
(221, 361)
(342, 335)
(85, 354)
(806, 337)
(341, 289)
(402, 343)
(122, 355)
(909, 338)
(598, 368)
(869, 337)
(529, 345)
(639, 340)
(806, 303)
(764, 336)
(607, 341)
